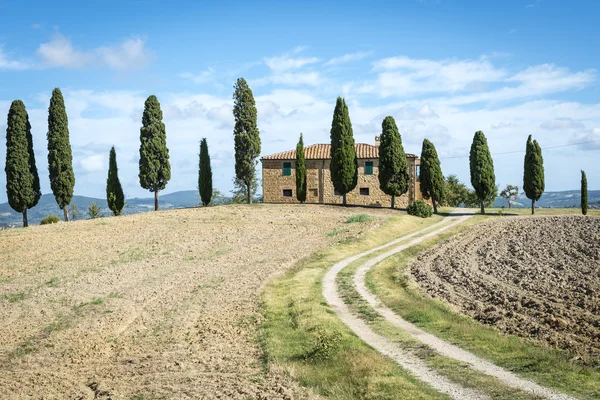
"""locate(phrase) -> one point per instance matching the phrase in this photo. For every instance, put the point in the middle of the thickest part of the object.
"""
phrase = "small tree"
(94, 211)
(533, 175)
(510, 193)
(246, 136)
(393, 168)
(60, 158)
(74, 211)
(240, 190)
(114, 192)
(205, 174)
(456, 192)
(22, 180)
(481, 165)
(344, 163)
(300, 171)
(584, 193)
(155, 169)
(431, 177)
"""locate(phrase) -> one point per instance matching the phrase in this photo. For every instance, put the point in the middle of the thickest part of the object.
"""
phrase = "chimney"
(377, 142)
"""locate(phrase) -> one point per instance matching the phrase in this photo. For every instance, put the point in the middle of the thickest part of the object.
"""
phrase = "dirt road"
(406, 358)
(157, 305)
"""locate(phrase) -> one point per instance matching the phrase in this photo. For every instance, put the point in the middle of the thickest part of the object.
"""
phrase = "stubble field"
(156, 305)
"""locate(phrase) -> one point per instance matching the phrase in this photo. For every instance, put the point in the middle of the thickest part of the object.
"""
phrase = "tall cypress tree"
(155, 169)
(344, 163)
(114, 192)
(393, 168)
(481, 164)
(430, 176)
(22, 180)
(246, 135)
(584, 194)
(533, 172)
(300, 171)
(60, 158)
(205, 174)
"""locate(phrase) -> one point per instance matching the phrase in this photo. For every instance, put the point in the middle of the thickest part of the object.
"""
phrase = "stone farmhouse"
(279, 177)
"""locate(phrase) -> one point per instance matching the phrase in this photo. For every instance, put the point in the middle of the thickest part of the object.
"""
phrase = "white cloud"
(93, 163)
(7, 63)
(287, 61)
(404, 76)
(201, 77)
(587, 140)
(561, 123)
(130, 54)
(346, 58)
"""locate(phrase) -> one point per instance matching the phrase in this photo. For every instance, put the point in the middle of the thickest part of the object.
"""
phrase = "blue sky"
(443, 69)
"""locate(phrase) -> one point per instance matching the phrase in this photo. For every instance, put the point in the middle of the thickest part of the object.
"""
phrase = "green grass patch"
(549, 367)
(302, 335)
(14, 297)
(359, 218)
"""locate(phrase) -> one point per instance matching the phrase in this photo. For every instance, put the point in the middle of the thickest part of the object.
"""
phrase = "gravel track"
(404, 357)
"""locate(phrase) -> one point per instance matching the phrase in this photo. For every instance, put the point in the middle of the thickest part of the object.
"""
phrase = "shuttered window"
(287, 168)
(369, 168)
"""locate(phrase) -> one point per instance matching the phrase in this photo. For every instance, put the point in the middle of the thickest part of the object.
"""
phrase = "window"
(336, 193)
(417, 172)
(364, 191)
(369, 168)
(287, 193)
(287, 169)
(314, 192)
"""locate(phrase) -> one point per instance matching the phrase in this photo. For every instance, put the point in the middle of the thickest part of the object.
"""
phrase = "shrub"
(420, 209)
(325, 345)
(358, 218)
(94, 211)
(50, 219)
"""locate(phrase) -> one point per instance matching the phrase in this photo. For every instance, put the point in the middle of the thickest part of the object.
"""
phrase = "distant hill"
(564, 199)
(47, 206)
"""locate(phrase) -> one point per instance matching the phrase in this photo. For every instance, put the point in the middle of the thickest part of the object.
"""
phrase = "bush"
(420, 209)
(94, 211)
(325, 345)
(50, 219)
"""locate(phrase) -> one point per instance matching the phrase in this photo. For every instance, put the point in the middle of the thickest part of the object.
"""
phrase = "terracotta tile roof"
(323, 152)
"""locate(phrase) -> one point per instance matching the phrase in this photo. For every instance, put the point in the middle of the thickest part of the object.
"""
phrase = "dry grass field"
(156, 305)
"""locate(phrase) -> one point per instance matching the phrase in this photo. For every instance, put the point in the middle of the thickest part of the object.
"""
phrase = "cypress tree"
(22, 180)
(584, 194)
(430, 176)
(60, 158)
(114, 192)
(246, 135)
(155, 169)
(533, 175)
(481, 164)
(300, 171)
(344, 163)
(205, 174)
(393, 168)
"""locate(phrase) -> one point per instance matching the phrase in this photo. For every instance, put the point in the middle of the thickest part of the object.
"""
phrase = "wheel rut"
(406, 358)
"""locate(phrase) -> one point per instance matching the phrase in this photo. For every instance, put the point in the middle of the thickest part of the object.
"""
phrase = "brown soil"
(534, 277)
(157, 305)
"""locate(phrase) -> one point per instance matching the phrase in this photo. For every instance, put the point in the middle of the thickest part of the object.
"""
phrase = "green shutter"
(369, 168)
(287, 168)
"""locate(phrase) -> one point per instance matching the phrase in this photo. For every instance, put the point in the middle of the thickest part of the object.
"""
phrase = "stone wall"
(320, 188)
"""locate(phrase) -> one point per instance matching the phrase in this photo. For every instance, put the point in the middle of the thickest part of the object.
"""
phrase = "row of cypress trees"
(393, 168)
(22, 179)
